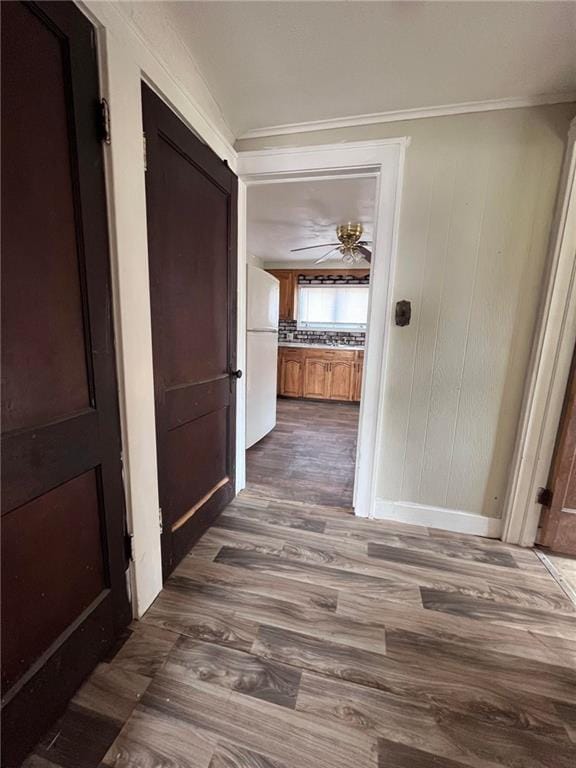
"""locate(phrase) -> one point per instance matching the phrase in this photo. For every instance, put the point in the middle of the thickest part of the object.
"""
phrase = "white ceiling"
(273, 63)
(294, 214)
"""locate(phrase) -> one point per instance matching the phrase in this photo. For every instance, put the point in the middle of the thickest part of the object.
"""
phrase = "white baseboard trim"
(438, 517)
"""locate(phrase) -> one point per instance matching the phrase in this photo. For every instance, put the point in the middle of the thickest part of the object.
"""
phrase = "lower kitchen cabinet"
(316, 379)
(318, 374)
(358, 368)
(291, 377)
(341, 380)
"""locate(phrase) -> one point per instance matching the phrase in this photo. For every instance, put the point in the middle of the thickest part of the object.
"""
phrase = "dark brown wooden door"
(64, 594)
(191, 208)
(558, 521)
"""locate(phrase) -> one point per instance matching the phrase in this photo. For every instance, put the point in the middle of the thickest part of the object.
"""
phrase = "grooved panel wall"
(474, 232)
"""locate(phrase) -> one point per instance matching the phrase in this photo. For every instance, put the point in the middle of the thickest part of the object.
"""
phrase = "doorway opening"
(376, 167)
(309, 247)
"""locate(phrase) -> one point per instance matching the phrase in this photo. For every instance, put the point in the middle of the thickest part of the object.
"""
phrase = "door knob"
(403, 312)
(237, 374)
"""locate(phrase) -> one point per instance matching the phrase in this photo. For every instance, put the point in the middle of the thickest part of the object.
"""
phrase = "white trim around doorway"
(384, 160)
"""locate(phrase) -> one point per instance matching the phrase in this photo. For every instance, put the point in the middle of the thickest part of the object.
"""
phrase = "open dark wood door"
(64, 597)
(191, 200)
(557, 529)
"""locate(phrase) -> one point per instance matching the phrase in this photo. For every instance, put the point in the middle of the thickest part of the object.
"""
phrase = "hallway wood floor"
(298, 636)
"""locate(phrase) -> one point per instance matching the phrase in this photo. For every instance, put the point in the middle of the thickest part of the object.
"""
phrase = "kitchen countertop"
(304, 345)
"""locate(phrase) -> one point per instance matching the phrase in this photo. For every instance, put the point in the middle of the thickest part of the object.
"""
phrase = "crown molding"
(395, 116)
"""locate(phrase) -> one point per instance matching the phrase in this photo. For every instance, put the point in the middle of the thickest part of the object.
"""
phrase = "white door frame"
(385, 161)
(550, 366)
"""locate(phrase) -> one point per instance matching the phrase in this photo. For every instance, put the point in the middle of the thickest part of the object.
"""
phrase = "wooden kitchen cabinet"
(358, 370)
(288, 282)
(320, 374)
(316, 379)
(341, 380)
(290, 372)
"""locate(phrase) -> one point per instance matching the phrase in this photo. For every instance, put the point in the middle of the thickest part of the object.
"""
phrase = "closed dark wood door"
(64, 596)
(191, 200)
(558, 521)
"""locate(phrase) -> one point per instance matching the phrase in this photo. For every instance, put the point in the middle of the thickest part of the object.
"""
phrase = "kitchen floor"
(298, 636)
(309, 456)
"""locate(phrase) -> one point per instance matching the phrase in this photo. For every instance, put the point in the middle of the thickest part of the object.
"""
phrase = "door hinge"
(160, 523)
(145, 152)
(105, 121)
(544, 497)
(129, 546)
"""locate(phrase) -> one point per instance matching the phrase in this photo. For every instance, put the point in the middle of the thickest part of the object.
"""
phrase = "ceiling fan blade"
(365, 252)
(363, 242)
(308, 247)
(323, 258)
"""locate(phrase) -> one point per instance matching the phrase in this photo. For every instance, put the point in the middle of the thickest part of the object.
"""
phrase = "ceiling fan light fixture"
(350, 233)
(351, 255)
(352, 249)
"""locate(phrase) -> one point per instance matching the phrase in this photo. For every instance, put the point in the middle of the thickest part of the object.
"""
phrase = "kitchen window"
(334, 308)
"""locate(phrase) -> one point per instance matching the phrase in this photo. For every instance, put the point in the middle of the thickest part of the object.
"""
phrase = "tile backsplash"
(287, 330)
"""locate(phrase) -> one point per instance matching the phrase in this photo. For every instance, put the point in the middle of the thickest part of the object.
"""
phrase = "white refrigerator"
(263, 298)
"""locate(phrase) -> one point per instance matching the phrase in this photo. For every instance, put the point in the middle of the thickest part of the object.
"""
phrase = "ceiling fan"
(352, 249)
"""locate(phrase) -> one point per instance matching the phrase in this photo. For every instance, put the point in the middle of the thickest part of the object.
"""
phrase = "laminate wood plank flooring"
(295, 635)
(256, 656)
(309, 456)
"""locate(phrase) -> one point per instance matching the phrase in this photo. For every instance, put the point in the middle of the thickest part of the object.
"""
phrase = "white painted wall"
(477, 202)
(143, 48)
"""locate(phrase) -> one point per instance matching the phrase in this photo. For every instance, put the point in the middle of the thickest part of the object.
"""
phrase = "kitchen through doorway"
(309, 252)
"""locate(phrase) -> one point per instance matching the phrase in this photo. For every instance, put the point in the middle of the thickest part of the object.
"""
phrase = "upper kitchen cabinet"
(288, 280)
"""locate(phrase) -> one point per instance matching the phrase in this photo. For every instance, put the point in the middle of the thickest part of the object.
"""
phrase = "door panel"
(191, 208)
(195, 337)
(61, 383)
(203, 442)
(558, 522)
(59, 594)
(64, 594)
